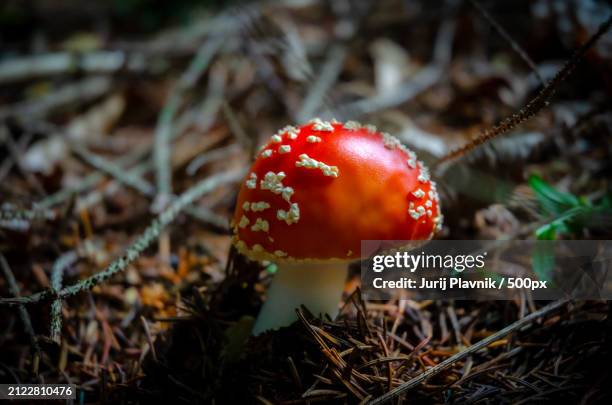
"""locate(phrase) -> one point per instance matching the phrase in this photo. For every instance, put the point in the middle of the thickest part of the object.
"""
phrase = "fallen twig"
(129, 178)
(57, 273)
(140, 244)
(96, 177)
(132, 178)
(506, 36)
(162, 146)
(535, 105)
(12, 214)
(163, 131)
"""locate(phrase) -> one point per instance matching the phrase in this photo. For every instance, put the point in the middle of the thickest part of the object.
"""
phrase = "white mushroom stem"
(316, 286)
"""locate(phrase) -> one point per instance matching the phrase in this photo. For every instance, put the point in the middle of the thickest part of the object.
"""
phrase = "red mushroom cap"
(315, 192)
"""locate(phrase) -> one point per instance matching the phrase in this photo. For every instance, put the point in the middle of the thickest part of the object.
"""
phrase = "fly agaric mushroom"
(312, 195)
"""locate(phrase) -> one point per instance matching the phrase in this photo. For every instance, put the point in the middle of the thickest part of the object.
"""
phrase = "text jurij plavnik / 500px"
(485, 269)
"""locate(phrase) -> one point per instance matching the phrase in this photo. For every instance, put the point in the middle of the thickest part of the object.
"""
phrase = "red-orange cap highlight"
(315, 192)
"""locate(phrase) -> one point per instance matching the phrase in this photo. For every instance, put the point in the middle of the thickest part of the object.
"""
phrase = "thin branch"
(16, 214)
(153, 231)
(129, 178)
(438, 368)
(163, 131)
(162, 145)
(57, 273)
(132, 178)
(535, 105)
(12, 217)
(506, 36)
(140, 244)
(93, 179)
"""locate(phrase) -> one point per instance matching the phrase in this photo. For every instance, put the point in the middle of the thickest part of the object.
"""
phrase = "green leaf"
(552, 200)
(571, 215)
(566, 222)
(547, 232)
